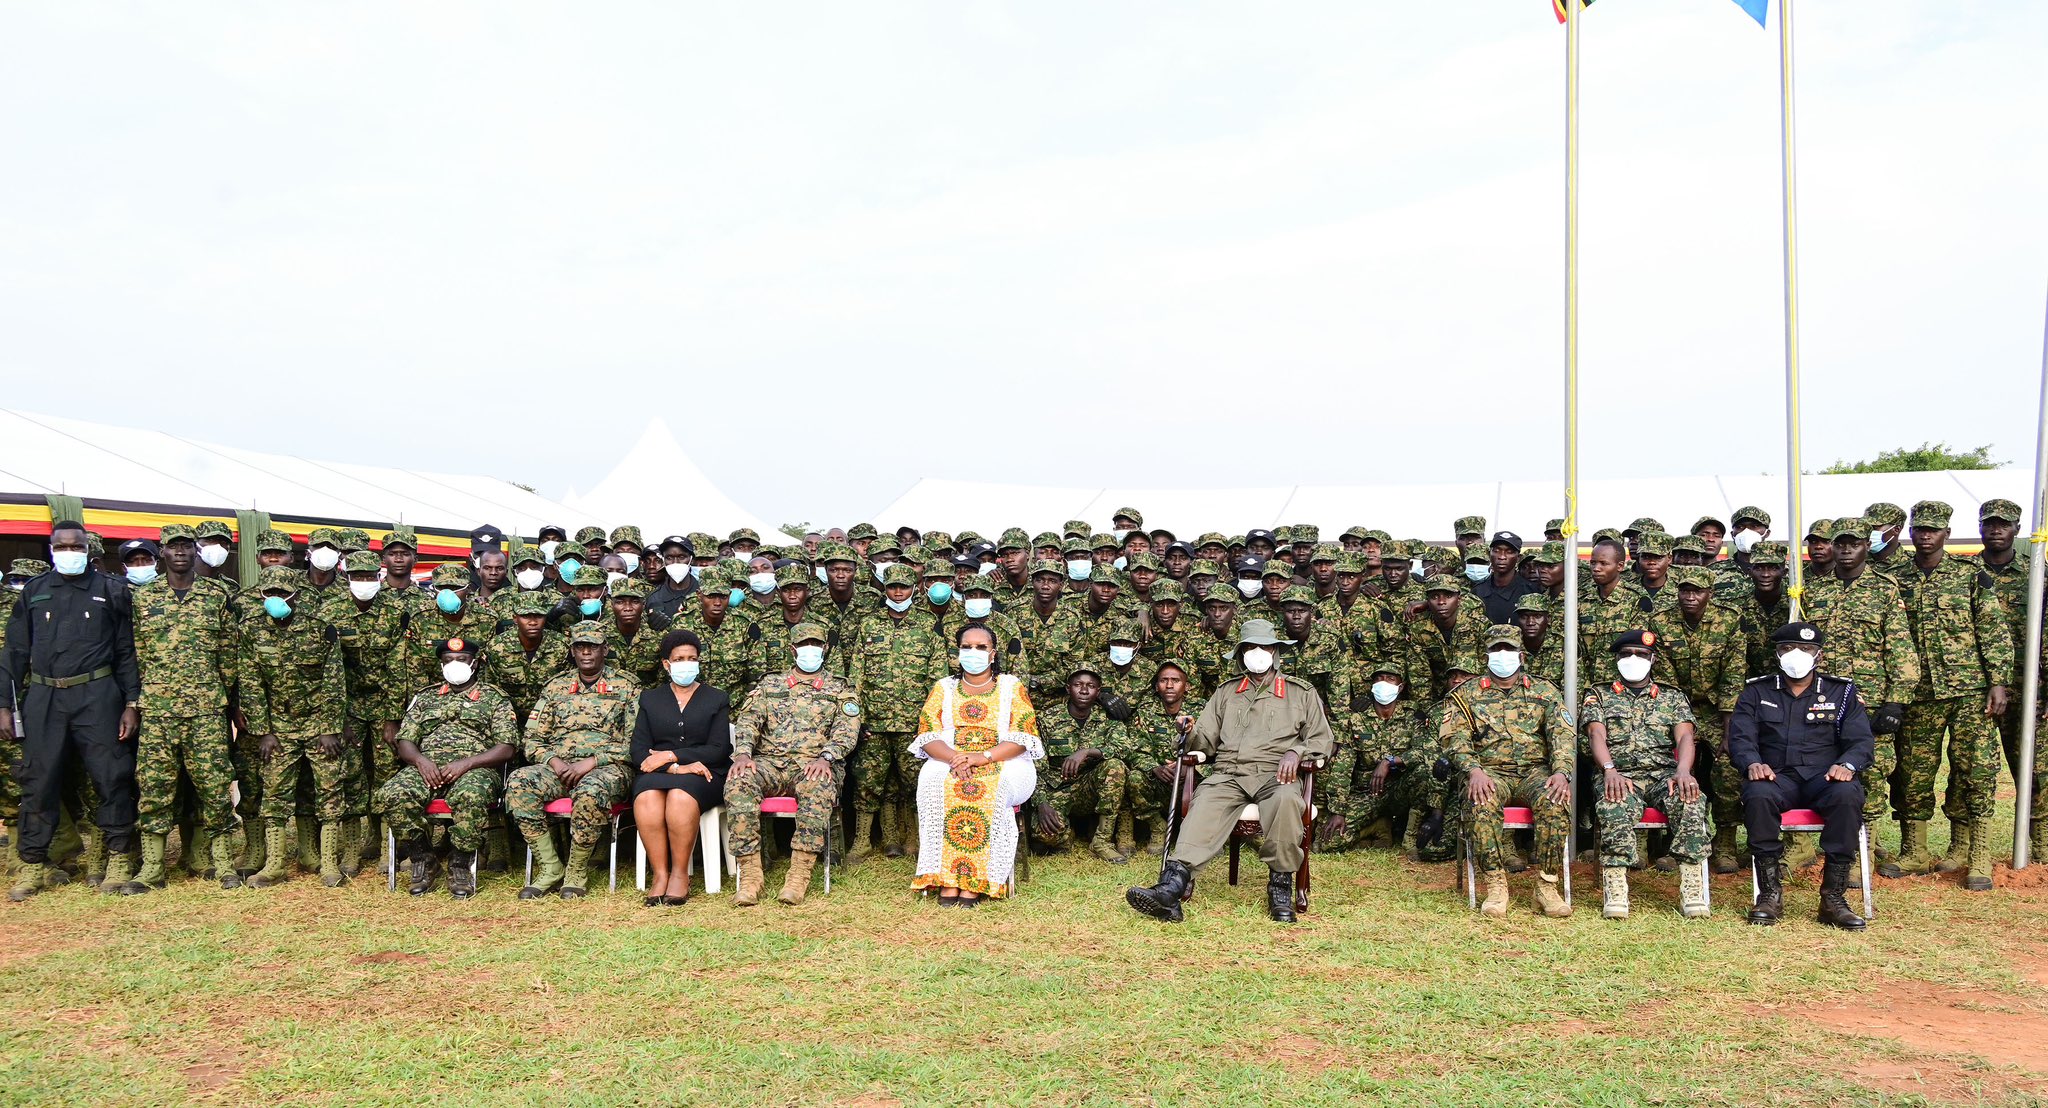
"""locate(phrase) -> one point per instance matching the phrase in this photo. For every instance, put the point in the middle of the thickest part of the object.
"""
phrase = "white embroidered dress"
(966, 835)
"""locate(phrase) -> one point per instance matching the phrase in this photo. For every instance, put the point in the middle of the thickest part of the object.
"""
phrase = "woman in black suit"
(682, 745)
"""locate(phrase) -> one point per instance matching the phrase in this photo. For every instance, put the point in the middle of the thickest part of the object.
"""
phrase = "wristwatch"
(1607, 765)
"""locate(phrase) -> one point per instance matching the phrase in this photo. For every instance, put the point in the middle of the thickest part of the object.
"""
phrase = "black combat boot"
(461, 882)
(1770, 892)
(1280, 897)
(1162, 901)
(1834, 903)
(423, 865)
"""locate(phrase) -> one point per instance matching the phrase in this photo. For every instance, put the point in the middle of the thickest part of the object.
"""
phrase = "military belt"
(74, 680)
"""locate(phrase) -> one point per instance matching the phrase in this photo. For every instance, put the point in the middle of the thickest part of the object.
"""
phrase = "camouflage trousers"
(297, 755)
(1098, 790)
(876, 769)
(248, 767)
(1618, 819)
(1408, 789)
(371, 763)
(10, 784)
(1482, 821)
(1714, 769)
(2009, 729)
(1973, 756)
(1145, 795)
(780, 777)
(402, 801)
(531, 789)
(197, 748)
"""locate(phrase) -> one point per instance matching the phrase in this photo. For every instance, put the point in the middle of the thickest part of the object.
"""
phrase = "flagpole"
(1796, 587)
(1571, 391)
(2030, 678)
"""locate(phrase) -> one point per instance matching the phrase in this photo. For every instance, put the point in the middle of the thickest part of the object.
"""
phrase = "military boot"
(1692, 892)
(1549, 900)
(576, 871)
(1494, 903)
(1913, 856)
(1126, 834)
(858, 852)
(1162, 901)
(370, 840)
(255, 848)
(461, 879)
(93, 854)
(28, 881)
(798, 882)
(195, 853)
(223, 852)
(1431, 843)
(892, 831)
(748, 879)
(1770, 892)
(2037, 839)
(350, 861)
(1614, 890)
(1103, 845)
(1280, 896)
(424, 863)
(308, 843)
(907, 820)
(276, 865)
(1802, 849)
(1155, 844)
(1834, 906)
(151, 876)
(330, 855)
(120, 870)
(548, 874)
(1958, 854)
(1723, 858)
(1981, 860)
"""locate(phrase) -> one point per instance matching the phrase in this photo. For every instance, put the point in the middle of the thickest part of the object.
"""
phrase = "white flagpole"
(2030, 678)
(1796, 587)
(1571, 388)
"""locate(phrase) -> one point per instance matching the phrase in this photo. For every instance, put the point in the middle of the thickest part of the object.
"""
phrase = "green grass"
(1388, 992)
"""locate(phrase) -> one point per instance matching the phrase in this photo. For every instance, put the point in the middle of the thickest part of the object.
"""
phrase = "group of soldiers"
(339, 693)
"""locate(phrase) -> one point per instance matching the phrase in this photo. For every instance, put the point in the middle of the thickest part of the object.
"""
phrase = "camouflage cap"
(705, 545)
(277, 579)
(862, 531)
(519, 552)
(1378, 536)
(1212, 538)
(1013, 538)
(1136, 517)
(587, 575)
(1469, 525)
(837, 552)
(1351, 563)
(1047, 565)
(1102, 573)
(633, 586)
(174, 532)
(1126, 630)
(1222, 592)
(212, 529)
(323, 536)
(1642, 525)
(1704, 520)
(1750, 513)
(916, 554)
(450, 575)
(976, 582)
(532, 602)
(1239, 540)
(361, 561)
(899, 573)
(794, 574)
(937, 540)
(1077, 545)
(744, 534)
(1884, 514)
(712, 579)
(1655, 543)
(1144, 561)
(1103, 542)
(273, 539)
(1044, 539)
(354, 538)
(1307, 532)
(1820, 529)
(1075, 527)
(940, 568)
(1532, 602)
(1275, 567)
(27, 567)
(1550, 553)
(1693, 577)
(1203, 567)
(1284, 535)
(1931, 513)
(1476, 555)
(628, 533)
(1442, 583)
(1551, 526)
(1504, 634)
(884, 544)
(1999, 509)
(586, 630)
(1325, 552)
(1393, 550)
(588, 534)
(1356, 531)
(1855, 527)
(1608, 533)
(968, 538)
(1171, 663)
(1168, 589)
(809, 632)
(1769, 554)
(1299, 594)
(1689, 542)
(402, 536)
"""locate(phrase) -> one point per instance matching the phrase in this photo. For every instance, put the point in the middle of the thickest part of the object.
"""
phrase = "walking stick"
(1173, 804)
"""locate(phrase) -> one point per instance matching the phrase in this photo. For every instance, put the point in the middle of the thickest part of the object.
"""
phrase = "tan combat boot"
(1126, 834)
(1981, 858)
(1103, 845)
(1549, 900)
(351, 860)
(28, 881)
(119, 872)
(1723, 858)
(576, 870)
(276, 862)
(892, 831)
(330, 855)
(858, 852)
(223, 851)
(93, 854)
(1692, 891)
(1958, 854)
(151, 876)
(1495, 903)
(749, 879)
(1614, 890)
(799, 880)
(1913, 856)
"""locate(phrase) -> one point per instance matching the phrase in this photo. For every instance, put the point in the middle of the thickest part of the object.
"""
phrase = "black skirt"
(701, 732)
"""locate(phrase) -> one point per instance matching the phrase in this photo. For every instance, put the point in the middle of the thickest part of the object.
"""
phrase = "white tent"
(657, 486)
(1426, 511)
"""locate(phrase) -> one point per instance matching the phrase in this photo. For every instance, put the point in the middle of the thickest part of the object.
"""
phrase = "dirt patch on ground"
(387, 957)
(204, 1077)
(1941, 1081)
(2004, 1031)
(2035, 876)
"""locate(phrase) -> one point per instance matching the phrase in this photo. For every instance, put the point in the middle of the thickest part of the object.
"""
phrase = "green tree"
(1926, 456)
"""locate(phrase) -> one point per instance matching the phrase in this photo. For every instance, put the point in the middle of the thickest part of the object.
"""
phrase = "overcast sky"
(843, 246)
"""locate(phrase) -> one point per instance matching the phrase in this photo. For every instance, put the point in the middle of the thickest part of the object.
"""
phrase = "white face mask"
(1120, 536)
(1079, 568)
(1248, 588)
(1475, 571)
(882, 571)
(900, 605)
(978, 607)
(1504, 663)
(632, 562)
(677, 571)
(365, 591)
(530, 579)
(810, 659)
(1258, 660)
(323, 558)
(1796, 664)
(547, 551)
(141, 575)
(1122, 655)
(973, 662)
(213, 554)
(763, 583)
(1385, 692)
(819, 573)
(1746, 540)
(70, 563)
(989, 567)
(1632, 667)
(1121, 562)
(457, 672)
(612, 579)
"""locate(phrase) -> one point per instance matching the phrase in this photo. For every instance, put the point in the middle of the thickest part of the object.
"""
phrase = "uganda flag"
(1558, 7)
(1757, 9)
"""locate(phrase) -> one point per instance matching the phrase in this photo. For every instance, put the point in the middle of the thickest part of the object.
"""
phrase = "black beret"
(1805, 634)
(1645, 639)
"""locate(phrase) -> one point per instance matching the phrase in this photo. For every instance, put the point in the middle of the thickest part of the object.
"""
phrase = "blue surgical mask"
(448, 600)
(939, 593)
(1385, 692)
(1121, 562)
(277, 606)
(1077, 568)
(70, 563)
(591, 606)
(1476, 571)
(978, 607)
(568, 567)
(900, 605)
(1504, 663)
(1122, 655)
(683, 673)
(810, 659)
(736, 597)
(974, 661)
(1877, 543)
(142, 575)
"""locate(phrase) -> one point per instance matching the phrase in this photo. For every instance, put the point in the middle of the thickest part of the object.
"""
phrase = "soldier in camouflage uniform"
(897, 657)
(1321, 658)
(444, 614)
(455, 740)
(1998, 523)
(1701, 652)
(1544, 650)
(1453, 622)
(1082, 775)
(19, 573)
(293, 689)
(723, 633)
(1642, 740)
(793, 737)
(1124, 678)
(1170, 624)
(1765, 607)
(769, 642)
(576, 743)
(1164, 715)
(977, 608)
(370, 632)
(1512, 741)
(521, 660)
(1376, 777)
(273, 549)
(216, 546)
(1611, 606)
(1215, 641)
(1966, 654)
(1870, 641)
(1888, 555)
(840, 604)
(1733, 581)
(633, 634)
(184, 646)
(1046, 627)
(1820, 548)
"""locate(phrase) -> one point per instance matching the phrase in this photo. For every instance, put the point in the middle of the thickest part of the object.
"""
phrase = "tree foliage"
(1926, 456)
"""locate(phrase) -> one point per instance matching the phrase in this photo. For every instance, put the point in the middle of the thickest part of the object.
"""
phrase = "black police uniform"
(71, 669)
(1799, 737)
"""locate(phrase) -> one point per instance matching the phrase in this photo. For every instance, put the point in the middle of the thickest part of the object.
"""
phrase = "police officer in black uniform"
(1800, 737)
(70, 666)
(676, 586)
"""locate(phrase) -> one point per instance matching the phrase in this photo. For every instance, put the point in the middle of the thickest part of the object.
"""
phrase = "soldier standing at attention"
(577, 741)
(216, 546)
(1998, 523)
(1888, 555)
(897, 658)
(1642, 740)
(454, 741)
(293, 689)
(791, 739)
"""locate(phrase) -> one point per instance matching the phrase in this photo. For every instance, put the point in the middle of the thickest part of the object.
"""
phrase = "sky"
(840, 247)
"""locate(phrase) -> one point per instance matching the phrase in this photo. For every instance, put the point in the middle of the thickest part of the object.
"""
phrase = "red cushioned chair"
(560, 809)
(784, 807)
(1515, 819)
(1806, 819)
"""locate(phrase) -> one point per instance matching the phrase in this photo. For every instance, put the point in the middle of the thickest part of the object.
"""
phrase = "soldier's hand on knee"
(1335, 826)
(1479, 787)
(266, 747)
(1686, 788)
(1049, 823)
(1839, 772)
(1761, 772)
(1163, 773)
(817, 769)
(1559, 788)
(742, 767)
(1290, 764)
(1614, 786)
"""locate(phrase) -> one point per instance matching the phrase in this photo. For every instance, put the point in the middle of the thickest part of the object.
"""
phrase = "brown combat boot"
(1978, 880)
(1103, 845)
(799, 880)
(1549, 900)
(861, 848)
(1913, 857)
(1958, 854)
(1495, 902)
(749, 880)
(1126, 834)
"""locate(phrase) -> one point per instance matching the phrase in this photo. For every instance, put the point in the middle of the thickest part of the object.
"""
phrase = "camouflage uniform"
(1642, 743)
(448, 725)
(896, 659)
(1404, 733)
(791, 718)
(1151, 739)
(1760, 618)
(1870, 642)
(2009, 586)
(370, 635)
(1431, 646)
(1098, 789)
(1706, 661)
(292, 684)
(1966, 647)
(1600, 619)
(722, 658)
(419, 662)
(573, 721)
(185, 648)
(1520, 733)
(518, 673)
(637, 655)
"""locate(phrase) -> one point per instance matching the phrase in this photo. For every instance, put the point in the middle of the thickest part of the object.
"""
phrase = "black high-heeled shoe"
(651, 902)
(675, 901)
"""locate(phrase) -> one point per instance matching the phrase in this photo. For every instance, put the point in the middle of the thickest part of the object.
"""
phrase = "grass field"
(1388, 992)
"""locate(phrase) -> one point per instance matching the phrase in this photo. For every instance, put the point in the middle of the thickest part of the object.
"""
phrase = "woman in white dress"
(978, 736)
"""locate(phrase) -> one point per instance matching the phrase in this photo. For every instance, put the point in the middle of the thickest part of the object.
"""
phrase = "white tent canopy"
(1426, 511)
(657, 485)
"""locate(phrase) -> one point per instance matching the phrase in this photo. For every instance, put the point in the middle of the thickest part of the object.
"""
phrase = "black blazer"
(701, 733)
(1805, 734)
